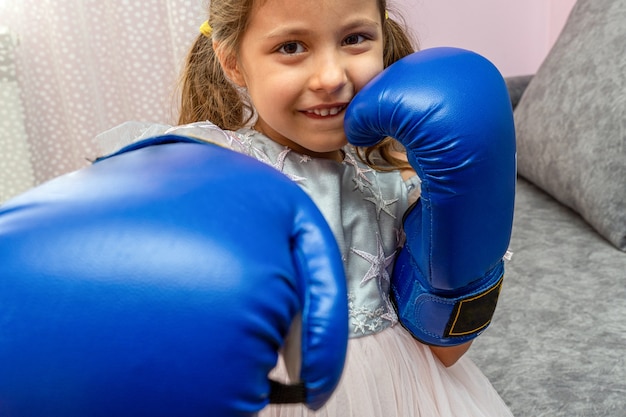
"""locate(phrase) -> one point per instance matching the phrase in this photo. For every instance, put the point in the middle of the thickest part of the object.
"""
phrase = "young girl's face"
(302, 62)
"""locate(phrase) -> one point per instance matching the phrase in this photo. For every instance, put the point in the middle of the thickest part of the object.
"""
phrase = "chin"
(332, 145)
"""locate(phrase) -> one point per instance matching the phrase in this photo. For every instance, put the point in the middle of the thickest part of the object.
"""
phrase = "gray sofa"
(557, 344)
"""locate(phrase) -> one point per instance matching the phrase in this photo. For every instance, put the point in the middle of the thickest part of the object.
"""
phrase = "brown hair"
(207, 94)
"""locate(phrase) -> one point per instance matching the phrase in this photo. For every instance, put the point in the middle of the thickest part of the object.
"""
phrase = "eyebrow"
(287, 31)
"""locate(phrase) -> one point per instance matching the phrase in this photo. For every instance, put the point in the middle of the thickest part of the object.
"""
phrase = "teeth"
(325, 112)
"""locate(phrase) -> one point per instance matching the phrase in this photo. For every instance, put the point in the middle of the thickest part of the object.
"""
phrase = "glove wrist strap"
(445, 320)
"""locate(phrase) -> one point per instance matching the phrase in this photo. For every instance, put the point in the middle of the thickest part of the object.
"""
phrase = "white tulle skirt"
(391, 375)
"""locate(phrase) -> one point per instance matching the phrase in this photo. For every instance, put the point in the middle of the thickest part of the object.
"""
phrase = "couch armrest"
(516, 86)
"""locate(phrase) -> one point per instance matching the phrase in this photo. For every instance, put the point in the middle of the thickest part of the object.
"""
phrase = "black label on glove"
(287, 394)
(473, 314)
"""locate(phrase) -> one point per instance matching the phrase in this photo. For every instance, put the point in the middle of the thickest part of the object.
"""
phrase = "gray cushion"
(571, 120)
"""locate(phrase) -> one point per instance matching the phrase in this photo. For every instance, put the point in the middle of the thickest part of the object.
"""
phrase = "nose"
(330, 73)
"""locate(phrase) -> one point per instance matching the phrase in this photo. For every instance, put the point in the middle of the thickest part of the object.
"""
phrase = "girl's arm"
(448, 355)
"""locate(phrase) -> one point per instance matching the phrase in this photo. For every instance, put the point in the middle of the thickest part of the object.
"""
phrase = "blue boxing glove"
(450, 109)
(163, 281)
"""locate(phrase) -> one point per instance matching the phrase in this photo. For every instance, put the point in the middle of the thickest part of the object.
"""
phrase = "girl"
(278, 75)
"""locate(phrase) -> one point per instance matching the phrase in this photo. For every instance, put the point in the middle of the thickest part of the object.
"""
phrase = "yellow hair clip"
(206, 29)
(386, 15)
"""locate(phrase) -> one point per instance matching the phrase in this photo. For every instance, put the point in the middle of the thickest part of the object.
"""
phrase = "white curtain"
(82, 67)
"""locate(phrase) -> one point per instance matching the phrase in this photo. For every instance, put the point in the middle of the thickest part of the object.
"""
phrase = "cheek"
(365, 70)
(271, 94)
(268, 85)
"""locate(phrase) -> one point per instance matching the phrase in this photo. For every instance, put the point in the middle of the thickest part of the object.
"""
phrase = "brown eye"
(354, 39)
(290, 48)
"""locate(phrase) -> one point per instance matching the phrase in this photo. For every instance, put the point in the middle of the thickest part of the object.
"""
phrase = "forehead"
(279, 11)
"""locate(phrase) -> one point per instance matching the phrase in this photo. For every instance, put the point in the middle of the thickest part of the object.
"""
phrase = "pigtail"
(397, 43)
(206, 92)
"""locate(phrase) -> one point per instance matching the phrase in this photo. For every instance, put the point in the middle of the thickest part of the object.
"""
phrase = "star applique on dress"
(378, 270)
(280, 162)
(359, 176)
(364, 319)
(360, 184)
(379, 262)
(381, 204)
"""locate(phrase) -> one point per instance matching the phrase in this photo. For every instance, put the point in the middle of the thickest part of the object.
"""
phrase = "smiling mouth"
(325, 112)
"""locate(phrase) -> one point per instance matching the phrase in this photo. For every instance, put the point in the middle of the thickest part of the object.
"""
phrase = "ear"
(230, 65)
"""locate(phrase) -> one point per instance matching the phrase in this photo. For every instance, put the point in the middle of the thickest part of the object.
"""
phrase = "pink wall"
(515, 35)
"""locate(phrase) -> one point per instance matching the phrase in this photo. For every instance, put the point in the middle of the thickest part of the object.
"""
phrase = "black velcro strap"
(287, 394)
(473, 314)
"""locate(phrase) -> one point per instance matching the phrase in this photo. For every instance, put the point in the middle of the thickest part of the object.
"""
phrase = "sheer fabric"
(80, 68)
(390, 374)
